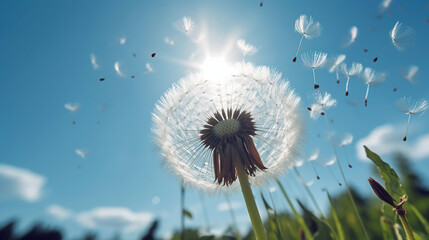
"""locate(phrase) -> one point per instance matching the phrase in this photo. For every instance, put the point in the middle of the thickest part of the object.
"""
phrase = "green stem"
(258, 227)
(408, 231)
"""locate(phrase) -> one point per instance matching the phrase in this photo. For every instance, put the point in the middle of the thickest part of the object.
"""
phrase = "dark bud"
(318, 178)
(375, 59)
(316, 86)
(350, 166)
(309, 109)
(347, 93)
(102, 79)
(405, 139)
(381, 192)
(153, 54)
(294, 59)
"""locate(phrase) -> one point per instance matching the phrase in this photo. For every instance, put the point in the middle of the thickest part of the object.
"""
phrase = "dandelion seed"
(353, 35)
(118, 70)
(314, 60)
(401, 36)
(322, 103)
(307, 28)
(406, 106)
(412, 71)
(149, 67)
(338, 60)
(246, 48)
(354, 70)
(94, 61)
(212, 131)
(371, 78)
(122, 41)
(81, 153)
(313, 158)
(327, 165)
(384, 5)
(347, 140)
(72, 107)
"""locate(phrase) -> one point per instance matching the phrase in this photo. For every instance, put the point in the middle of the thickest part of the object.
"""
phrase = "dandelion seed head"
(355, 69)
(402, 36)
(198, 119)
(314, 59)
(407, 106)
(307, 27)
(370, 77)
(338, 60)
(185, 24)
(245, 48)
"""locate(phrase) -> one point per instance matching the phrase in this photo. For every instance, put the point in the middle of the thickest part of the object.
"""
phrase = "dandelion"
(243, 124)
(246, 48)
(313, 158)
(406, 106)
(307, 28)
(401, 36)
(323, 103)
(184, 25)
(353, 35)
(354, 70)
(412, 71)
(347, 140)
(371, 78)
(327, 165)
(314, 60)
(338, 60)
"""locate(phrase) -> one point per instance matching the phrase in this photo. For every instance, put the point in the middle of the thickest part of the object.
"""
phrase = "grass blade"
(340, 232)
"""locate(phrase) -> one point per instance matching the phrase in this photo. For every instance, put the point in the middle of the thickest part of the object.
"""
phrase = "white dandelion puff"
(353, 36)
(245, 48)
(149, 67)
(406, 106)
(72, 107)
(307, 28)
(169, 41)
(352, 71)
(81, 153)
(321, 104)
(401, 36)
(118, 70)
(371, 78)
(122, 40)
(196, 112)
(314, 60)
(185, 24)
(412, 71)
(94, 61)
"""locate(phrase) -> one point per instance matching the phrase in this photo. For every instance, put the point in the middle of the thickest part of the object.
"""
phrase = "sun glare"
(216, 67)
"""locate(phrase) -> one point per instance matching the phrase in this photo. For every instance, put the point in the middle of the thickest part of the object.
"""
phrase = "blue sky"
(45, 53)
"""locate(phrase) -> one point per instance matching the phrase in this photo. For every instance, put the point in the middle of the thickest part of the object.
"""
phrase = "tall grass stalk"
(309, 192)
(344, 178)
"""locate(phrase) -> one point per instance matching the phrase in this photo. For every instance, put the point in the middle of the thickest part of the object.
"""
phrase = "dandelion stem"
(375, 59)
(338, 77)
(344, 178)
(407, 228)
(366, 95)
(255, 218)
(309, 192)
(347, 85)
(299, 46)
(408, 124)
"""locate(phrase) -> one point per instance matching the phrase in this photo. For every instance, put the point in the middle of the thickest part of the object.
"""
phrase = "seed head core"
(226, 127)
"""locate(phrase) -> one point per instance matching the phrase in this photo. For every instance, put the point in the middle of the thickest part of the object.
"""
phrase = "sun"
(215, 68)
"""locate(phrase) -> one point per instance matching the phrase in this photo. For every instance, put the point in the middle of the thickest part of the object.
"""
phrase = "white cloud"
(224, 206)
(114, 218)
(387, 139)
(149, 67)
(58, 212)
(21, 183)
